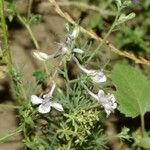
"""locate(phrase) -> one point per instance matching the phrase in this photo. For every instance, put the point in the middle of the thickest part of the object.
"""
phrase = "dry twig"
(128, 55)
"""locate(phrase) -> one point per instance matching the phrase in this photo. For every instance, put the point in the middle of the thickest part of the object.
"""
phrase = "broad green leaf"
(132, 90)
(145, 143)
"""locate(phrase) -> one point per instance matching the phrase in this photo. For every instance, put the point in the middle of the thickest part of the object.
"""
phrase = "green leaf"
(40, 76)
(145, 143)
(133, 90)
(35, 19)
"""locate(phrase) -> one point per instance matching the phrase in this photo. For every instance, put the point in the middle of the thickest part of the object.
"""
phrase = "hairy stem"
(5, 43)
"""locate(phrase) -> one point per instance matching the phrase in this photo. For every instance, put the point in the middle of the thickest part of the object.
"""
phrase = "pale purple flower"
(97, 76)
(108, 101)
(45, 103)
(135, 1)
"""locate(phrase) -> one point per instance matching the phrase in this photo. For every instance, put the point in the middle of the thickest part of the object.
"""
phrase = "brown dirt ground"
(47, 34)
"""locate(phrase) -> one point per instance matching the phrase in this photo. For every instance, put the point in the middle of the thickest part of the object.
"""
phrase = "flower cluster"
(108, 101)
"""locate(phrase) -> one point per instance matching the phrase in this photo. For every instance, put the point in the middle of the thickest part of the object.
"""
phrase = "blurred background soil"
(47, 33)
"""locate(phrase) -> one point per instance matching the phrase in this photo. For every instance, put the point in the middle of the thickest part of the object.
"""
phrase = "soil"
(47, 33)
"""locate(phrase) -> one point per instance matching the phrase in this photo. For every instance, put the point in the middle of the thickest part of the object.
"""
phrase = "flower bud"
(40, 55)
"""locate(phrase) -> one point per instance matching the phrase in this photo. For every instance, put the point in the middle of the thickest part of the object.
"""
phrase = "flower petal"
(99, 77)
(36, 100)
(40, 55)
(112, 97)
(101, 94)
(44, 108)
(57, 106)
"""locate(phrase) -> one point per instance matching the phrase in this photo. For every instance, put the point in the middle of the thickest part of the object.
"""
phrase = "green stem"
(5, 43)
(105, 38)
(66, 71)
(7, 136)
(23, 91)
(142, 125)
(6, 106)
(27, 26)
(69, 145)
(29, 8)
(29, 30)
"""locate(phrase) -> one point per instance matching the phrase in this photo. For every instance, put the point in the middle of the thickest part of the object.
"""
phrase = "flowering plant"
(82, 95)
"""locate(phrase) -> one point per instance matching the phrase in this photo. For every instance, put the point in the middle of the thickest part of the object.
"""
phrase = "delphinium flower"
(96, 75)
(66, 47)
(46, 102)
(108, 101)
(135, 1)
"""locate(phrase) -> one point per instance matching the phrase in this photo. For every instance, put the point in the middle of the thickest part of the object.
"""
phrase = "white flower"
(45, 102)
(107, 101)
(96, 75)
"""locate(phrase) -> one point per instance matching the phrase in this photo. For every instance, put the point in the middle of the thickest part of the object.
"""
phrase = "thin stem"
(7, 136)
(69, 145)
(29, 9)
(52, 78)
(91, 93)
(86, 6)
(66, 71)
(23, 91)
(29, 30)
(5, 43)
(105, 38)
(27, 26)
(6, 106)
(142, 125)
(6, 48)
